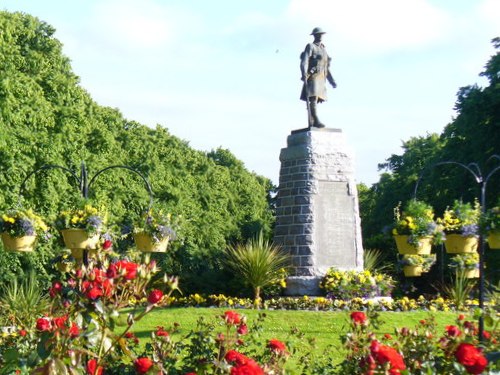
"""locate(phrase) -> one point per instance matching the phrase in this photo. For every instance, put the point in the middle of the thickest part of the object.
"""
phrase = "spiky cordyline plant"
(257, 262)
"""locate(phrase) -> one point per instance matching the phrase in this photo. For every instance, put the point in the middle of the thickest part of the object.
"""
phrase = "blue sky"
(226, 73)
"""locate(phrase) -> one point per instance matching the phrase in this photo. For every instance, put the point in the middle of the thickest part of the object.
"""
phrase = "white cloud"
(489, 10)
(372, 26)
(133, 25)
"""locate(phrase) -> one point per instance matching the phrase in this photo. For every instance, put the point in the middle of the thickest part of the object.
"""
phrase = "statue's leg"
(313, 102)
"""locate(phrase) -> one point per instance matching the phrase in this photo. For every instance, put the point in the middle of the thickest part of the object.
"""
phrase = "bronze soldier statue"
(315, 69)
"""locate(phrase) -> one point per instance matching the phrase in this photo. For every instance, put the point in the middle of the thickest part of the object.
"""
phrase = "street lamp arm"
(42, 168)
(469, 167)
(148, 186)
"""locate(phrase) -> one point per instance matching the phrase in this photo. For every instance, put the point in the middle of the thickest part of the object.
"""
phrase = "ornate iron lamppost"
(84, 184)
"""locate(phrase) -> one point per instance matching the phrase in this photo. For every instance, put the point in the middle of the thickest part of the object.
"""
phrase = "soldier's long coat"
(315, 64)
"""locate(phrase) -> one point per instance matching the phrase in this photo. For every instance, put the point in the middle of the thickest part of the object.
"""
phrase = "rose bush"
(420, 350)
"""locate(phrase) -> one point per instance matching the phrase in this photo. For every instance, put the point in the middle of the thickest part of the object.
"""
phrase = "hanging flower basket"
(412, 271)
(456, 244)
(471, 273)
(494, 240)
(424, 245)
(22, 244)
(147, 244)
(79, 239)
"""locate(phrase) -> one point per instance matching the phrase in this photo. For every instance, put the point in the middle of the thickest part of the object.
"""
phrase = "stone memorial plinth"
(317, 211)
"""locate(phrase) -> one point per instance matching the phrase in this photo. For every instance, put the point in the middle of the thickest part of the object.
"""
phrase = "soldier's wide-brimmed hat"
(318, 30)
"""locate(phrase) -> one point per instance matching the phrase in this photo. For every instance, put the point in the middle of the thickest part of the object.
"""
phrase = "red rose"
(55, 289)
(242, 329)
(453, 331)
(23, 332)
(236, 357)
(461, 317)
(112, 272)
(93, 369)
(155, 296)
(94, 293)
(107, 245)
(472, 359)
(249, 368)
(142, 365)
(161, 332)
(276, 346)
(127, 269)
(359, 317)
(74, 331)
(60, 321)
(385, 354)
(43, 324)
(232, 317)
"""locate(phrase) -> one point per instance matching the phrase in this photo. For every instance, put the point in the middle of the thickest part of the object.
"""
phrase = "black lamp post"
(473, 168)
(84, 184)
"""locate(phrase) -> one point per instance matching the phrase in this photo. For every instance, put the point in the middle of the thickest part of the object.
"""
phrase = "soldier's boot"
(314, 115)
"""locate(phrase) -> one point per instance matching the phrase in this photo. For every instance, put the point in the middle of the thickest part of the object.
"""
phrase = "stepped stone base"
(317, 214)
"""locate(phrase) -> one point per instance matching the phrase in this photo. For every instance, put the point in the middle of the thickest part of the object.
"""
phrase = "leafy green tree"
(46, 117)
(472, 137)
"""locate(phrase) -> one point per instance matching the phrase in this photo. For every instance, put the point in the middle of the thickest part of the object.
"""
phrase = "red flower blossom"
(160, 331)
(94, 293)
(242, 365)
(385, 354)
(359, 317)
(107, 245)
(471, 357)
(60, 321)
(242, 329)
(250, 368)
(74, 330)
(142, 365)
(232, 317)
(55, 289)
(23, 332)
(236, 357)
(453, 331)
(43, 324)
(126, 269)
(276, 346)
(461, 317)
(155, 296)
(93, 369)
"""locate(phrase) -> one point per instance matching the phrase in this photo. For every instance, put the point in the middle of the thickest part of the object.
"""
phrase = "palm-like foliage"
(257, 262)
(373, 261)
(21, 303)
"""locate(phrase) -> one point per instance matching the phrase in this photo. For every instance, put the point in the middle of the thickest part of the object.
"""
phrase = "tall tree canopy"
(47, 118)
(472, 137)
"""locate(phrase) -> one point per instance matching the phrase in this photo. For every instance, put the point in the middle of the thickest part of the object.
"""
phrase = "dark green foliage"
(47, 118)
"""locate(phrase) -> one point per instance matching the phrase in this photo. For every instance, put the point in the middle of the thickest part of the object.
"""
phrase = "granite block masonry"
(317, 210)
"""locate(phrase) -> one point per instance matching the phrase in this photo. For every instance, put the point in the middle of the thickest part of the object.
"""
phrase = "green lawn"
(325, 327)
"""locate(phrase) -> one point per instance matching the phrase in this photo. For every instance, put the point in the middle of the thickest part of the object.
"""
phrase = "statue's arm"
(329, 76)
(304, 62)
(330, 79)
